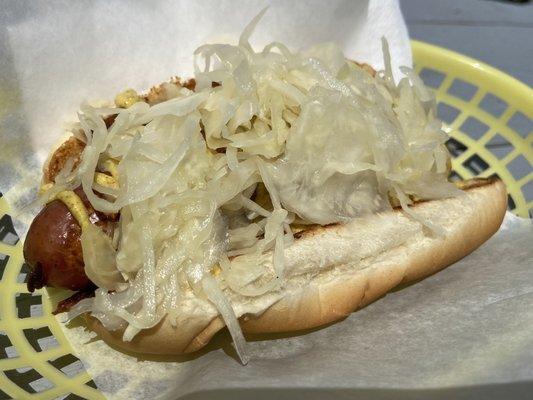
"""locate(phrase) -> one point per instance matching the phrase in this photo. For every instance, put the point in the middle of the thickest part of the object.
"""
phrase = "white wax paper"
(468, 325)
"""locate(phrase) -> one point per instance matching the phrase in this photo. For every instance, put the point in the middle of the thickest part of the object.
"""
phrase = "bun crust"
(470, 220)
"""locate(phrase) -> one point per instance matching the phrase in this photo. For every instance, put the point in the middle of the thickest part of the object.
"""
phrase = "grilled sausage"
(53, 248)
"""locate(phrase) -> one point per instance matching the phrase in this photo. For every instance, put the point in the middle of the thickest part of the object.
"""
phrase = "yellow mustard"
(45, 187)
(105, 180)
(216, 270)
(127, 98)
(110, 166)
(72, 200)
(75, 206)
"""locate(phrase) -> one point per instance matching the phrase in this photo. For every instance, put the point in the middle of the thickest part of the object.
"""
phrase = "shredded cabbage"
(99, 258)
(327, 139)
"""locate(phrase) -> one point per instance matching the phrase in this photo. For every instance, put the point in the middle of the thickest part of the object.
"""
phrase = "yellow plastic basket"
(491, 114)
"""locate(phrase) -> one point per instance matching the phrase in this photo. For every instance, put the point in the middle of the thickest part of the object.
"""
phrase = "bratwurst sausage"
(53, 248)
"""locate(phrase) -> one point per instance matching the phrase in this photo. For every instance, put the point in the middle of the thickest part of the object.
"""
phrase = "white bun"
(346, 286)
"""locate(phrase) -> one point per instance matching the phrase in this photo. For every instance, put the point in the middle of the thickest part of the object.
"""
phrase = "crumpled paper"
(468, 325)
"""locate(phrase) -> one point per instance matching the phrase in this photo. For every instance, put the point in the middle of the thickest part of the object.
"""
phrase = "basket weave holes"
(499, 146)
(22, 276)
(68, 364)
(40, 339)
(29, 305)
(455, 147)
(4, 396)
(493, 105)
(7, 231)
(447, 113)
(4, 258)
(474, 128)
(72, 396)
(7, 350)
(511, 205)
(462, 89)
(454, 177)
(521, 124)
(519, 167)
(29, 380)
(432, 78)
(476, 164)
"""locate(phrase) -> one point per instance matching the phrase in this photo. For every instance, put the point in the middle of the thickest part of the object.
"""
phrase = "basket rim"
(493, 74)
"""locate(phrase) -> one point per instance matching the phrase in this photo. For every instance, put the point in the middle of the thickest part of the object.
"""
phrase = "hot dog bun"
(342, 281)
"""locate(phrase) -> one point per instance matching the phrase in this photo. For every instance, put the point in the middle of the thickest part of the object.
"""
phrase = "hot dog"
(277, 191)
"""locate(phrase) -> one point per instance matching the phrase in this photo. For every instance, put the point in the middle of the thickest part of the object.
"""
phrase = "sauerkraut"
(324, 138)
